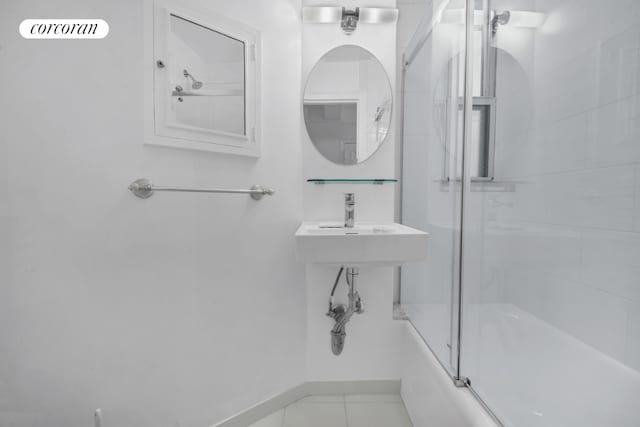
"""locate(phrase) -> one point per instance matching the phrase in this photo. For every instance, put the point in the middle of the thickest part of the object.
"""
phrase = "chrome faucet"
(349, 209)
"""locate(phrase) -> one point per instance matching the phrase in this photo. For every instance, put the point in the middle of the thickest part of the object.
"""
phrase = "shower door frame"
(457, 288)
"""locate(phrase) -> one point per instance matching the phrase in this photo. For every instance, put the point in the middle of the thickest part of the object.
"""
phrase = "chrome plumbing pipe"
(342, 314)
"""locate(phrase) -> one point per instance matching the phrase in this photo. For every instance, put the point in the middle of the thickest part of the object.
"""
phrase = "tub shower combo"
(520, 148)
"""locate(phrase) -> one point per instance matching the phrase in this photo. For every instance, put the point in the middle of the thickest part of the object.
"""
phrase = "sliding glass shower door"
(530, 189)
(551, 277)
(434, 68)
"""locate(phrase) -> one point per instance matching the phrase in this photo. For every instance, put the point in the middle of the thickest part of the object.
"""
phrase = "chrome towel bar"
(144, 189)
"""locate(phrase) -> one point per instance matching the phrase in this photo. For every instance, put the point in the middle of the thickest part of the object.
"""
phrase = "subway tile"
(555, 249)
(603, 198)
(619, 66)
(562, 144)
(500, 209)
(598, 198)
(521, 288)
(574, 26)
(615, 133)
(514, 155)
(569, 89)
(596, 318)
(611, 262)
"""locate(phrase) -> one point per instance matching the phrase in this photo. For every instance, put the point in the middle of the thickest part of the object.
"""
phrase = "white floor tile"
(385, 398)
(377, 415)
(273, 420)
(325, 398)
(315, 415)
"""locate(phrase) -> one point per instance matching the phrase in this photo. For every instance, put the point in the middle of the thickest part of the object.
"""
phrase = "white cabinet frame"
(158, 129)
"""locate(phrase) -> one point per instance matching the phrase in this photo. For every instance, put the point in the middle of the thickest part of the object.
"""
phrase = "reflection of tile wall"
(566, 245)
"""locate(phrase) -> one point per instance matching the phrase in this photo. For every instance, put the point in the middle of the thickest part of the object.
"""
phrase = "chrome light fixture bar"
(349, 19)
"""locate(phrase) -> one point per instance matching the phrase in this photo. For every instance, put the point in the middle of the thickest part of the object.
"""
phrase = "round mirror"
(347, 105)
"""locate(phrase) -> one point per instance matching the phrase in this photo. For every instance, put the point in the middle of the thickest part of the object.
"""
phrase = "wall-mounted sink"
(384, 244)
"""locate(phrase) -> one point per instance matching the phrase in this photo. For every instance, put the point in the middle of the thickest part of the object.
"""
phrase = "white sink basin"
(385, 244)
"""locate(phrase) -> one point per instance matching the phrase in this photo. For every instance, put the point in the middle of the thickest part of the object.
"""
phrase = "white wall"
(373, 338)
(181, 308)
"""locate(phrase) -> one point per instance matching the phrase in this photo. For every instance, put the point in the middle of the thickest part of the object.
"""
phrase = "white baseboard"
(311, 388)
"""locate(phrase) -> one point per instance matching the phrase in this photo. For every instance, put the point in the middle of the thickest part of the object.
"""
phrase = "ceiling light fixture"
(349, 19)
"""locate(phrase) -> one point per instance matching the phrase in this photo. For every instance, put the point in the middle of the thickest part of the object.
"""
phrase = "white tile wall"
(591, 315)
(598, 198)
(575, 26)
(619, 66)
(565, 246)
(611, 262)
(567, 89)
(560, 144)
(614, 133)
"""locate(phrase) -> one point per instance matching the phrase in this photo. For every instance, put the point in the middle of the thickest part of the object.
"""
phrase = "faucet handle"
(350, 197)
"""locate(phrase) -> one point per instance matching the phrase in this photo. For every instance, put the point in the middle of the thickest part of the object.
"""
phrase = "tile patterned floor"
(356, 410)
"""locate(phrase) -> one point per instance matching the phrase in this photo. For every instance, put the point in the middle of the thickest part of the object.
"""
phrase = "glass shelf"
(377, 181)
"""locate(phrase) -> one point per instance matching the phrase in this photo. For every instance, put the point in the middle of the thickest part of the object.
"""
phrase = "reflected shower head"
(517, 18)
(196, 83)
(499, 19)
(382, 109)
(503, 18)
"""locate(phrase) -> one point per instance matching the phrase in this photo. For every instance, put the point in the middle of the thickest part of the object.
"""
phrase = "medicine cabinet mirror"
(347, 105)
(205, 81)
